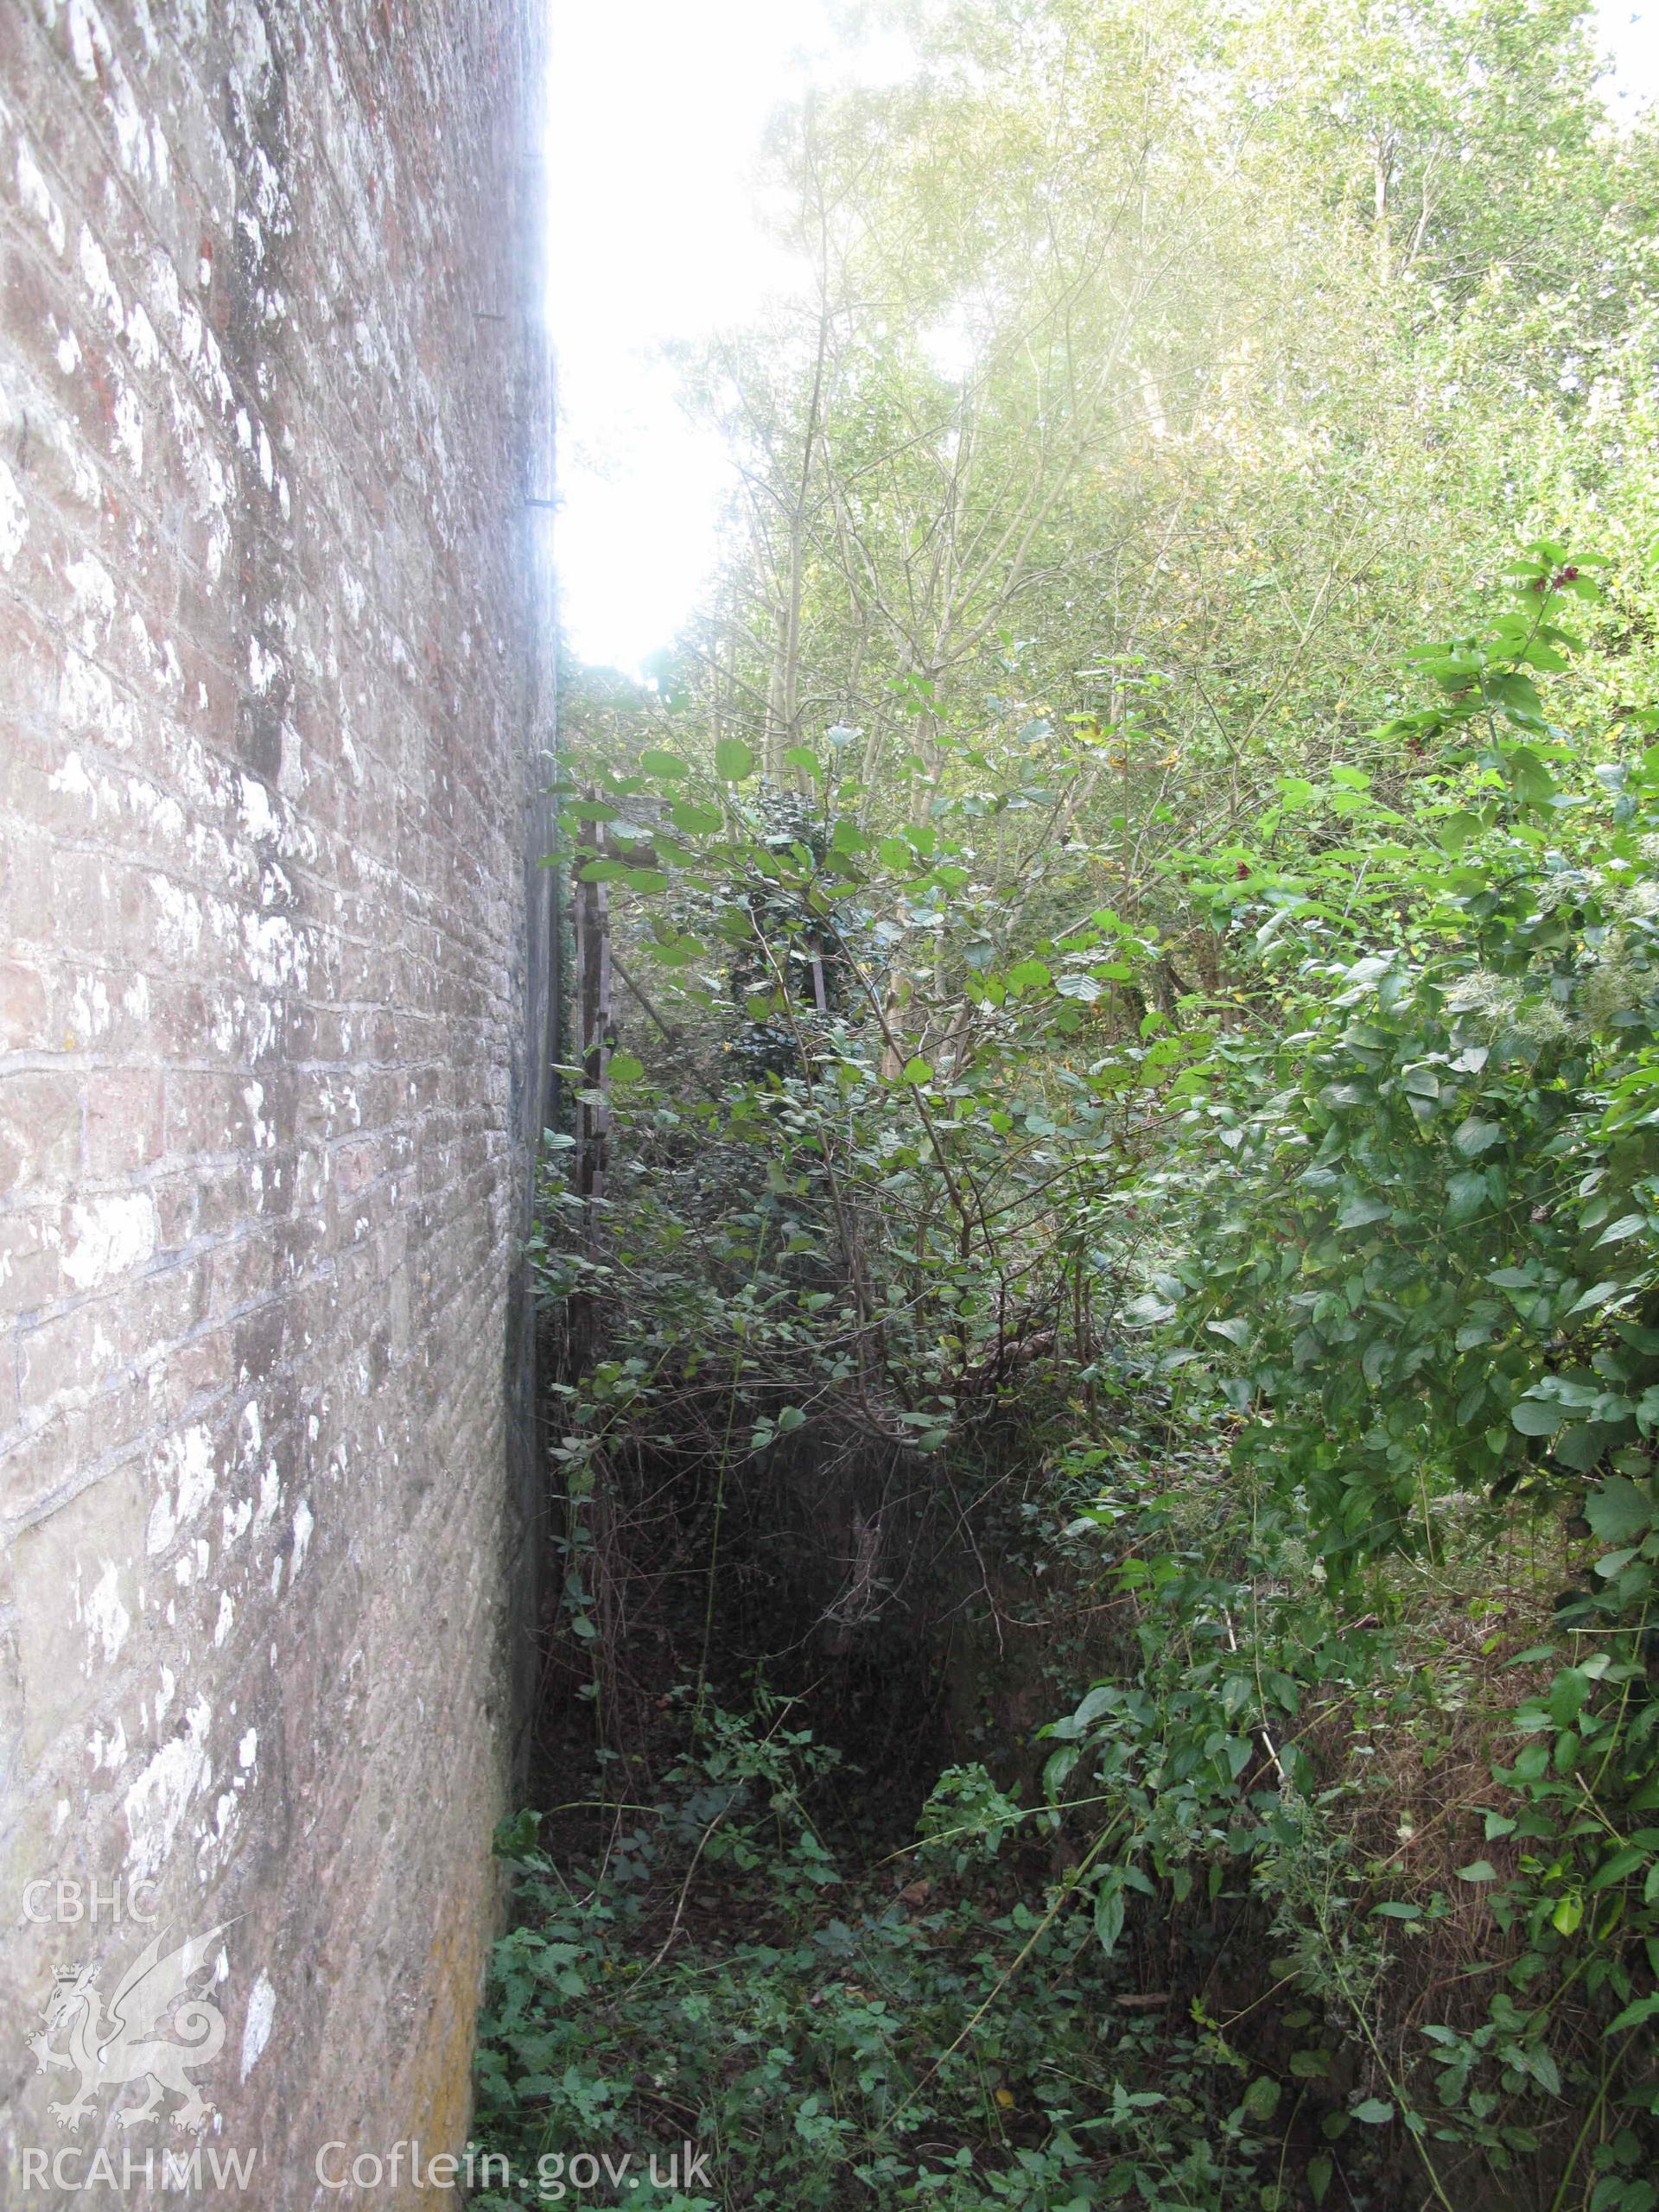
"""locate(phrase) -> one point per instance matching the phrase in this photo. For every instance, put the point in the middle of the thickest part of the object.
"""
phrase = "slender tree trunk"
(596, 1036)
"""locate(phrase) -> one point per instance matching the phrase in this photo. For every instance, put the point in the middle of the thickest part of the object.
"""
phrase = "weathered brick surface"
(271, 964)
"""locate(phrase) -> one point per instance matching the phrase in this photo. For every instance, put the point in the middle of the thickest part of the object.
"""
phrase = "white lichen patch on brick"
(270, 1499)
(141, 341)
(108, 1237)
(89, 704)
(304, 1524)
(105, 1618)
(93, 587)
(157, 1802)
(256, 2028)
(14, 517)
(141, 147)
(73, 778)
(81, 483)
(36, 197)
(108, 1752)
(100, 285)
(129, 428)
(186, 1471)
(89, 41)
(263, 668)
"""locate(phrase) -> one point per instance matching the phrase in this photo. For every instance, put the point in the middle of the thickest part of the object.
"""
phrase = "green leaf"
(1109, 1912)
(1620, 1232)
(733, 760)
(1478, 1870)
(1618, 1866)
(677, 952)
(1531, 780)
(657, 763)
(695, 821)
(1537, 1416)
(918, 1070)
(1027, 976)
(1376, 2112)
(1471, 1137)
(514, 1838)
(1612, 1564)
(1465, 1194)
(1579, 1447)
(1618, 1510)
(625, 1068)
(1567, 1694)
(1262, 2099)
(1541, 2064)
(1358, 1209)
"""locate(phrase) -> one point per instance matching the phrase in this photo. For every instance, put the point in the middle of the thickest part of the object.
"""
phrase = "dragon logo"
(110, 2050)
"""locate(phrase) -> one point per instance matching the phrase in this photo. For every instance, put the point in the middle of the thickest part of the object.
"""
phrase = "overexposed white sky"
(1630, 32)
(657, 110)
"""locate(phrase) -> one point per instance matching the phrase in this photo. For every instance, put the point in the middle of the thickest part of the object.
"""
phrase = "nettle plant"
(1420, 1263)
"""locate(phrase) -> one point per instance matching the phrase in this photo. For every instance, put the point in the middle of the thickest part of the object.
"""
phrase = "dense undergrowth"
(1340, 1884)
(1103, 1268)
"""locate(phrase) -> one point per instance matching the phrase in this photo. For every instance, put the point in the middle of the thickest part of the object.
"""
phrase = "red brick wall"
(270, 734)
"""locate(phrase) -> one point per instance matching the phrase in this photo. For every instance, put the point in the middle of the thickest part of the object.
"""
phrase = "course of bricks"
(273, 952)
